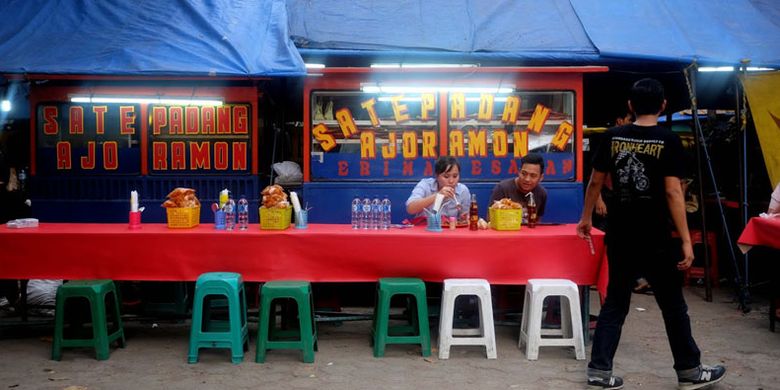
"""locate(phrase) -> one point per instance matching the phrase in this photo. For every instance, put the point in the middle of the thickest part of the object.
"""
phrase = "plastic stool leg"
(534, 327)
(99, 327)
(118, 315)
(381, 323)
(566, 321)
(262, 331)
(524, 320)
(576, 324)
(236, 340)
(445, 324)
(59, 324)
(422, 322)
(313, 320)
(195, 328)
(306, 331)
(487, 328)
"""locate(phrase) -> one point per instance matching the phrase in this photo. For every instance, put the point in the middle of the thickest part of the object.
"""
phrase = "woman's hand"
(448, 192)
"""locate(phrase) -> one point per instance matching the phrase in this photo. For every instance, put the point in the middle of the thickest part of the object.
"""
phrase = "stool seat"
(268, 337)
(484, 335)
(417, 332)
(227, 287)
(96, 292)
(571, 322)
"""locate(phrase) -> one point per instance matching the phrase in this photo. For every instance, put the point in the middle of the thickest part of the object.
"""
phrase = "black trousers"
(657, 263)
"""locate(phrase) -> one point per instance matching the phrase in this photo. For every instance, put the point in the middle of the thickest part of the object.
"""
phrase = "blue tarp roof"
(711, 31)
(147, 37)
(452, 25)
(251, 37)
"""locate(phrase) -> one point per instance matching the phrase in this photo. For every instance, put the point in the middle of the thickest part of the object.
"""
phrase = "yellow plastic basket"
(183, 217)
(506, 219)
(275, 218)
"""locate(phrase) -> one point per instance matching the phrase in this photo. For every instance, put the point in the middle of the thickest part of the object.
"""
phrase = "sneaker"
(707, 376)
(613, 382)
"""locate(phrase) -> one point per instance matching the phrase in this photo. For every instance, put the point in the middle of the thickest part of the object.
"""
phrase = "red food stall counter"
(321, 253)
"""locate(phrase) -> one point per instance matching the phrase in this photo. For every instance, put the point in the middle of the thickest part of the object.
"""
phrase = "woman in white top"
(457, 197)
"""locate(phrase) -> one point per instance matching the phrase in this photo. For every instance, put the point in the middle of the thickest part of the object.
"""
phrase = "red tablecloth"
(760, 231)
(321, 253)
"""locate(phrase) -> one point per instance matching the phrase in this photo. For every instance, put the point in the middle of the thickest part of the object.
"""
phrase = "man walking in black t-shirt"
(646, 165)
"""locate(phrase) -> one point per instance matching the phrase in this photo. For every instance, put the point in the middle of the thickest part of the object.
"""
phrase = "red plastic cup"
(135, 220)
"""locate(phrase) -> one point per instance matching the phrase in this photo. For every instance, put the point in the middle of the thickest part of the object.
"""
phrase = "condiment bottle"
(473, 213)
(453, 223)
(532, 217)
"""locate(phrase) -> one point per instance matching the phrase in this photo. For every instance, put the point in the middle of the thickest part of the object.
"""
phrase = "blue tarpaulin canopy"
(223, 38)
(711, 31)
(500, 30)
(459, 26)
(251, 38)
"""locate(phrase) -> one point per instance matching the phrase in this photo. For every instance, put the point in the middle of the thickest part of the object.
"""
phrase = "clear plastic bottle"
(376, 212)
(243, 213)
(365, 215)
(230, 214)
(356, 212)
(387, 209)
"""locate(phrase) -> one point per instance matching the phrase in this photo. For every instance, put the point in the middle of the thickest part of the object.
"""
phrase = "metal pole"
(743, 194)
(700, 143)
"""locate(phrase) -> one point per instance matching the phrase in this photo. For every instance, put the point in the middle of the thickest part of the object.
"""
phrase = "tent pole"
(743, 295)
(699, 143)
(743, 193)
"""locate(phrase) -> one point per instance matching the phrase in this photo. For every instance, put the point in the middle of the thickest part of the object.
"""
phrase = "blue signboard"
(87, 139)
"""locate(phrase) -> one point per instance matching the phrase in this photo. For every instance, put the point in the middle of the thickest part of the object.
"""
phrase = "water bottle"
(365, 215)
(230, 214)
(356, 212)
(243, 213)
(376, 213)
(386, 213)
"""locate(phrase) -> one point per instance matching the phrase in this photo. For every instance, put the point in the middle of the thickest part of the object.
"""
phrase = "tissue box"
(506, 219)
(275, 218)
(183, 217)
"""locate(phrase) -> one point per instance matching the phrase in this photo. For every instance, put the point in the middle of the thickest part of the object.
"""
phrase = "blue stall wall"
(331, 201)
(107, 198)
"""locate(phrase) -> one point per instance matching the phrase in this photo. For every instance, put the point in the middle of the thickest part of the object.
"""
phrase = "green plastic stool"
(96, 292)
(207, 333)
(417, 332)
(305, 337)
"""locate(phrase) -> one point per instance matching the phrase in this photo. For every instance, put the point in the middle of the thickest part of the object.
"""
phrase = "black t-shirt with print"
(639, 158)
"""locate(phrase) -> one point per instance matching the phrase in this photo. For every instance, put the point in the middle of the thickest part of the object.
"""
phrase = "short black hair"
(647, 97)
(445, 163)
(533, 158)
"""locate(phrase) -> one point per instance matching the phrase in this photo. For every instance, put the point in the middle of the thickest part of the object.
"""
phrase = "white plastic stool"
(484, 335)
(571, 322)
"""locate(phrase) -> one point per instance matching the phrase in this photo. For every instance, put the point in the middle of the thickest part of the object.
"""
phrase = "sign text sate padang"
(399, 136)
(200, 139)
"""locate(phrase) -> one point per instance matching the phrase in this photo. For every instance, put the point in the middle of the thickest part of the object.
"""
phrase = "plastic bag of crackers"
(276, 211)
(182, 208)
